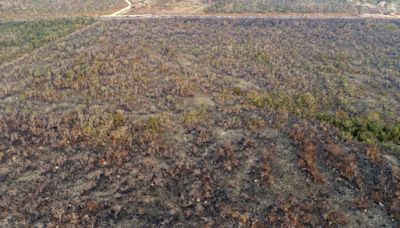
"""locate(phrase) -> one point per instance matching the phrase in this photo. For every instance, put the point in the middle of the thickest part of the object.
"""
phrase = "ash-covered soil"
(205, 122)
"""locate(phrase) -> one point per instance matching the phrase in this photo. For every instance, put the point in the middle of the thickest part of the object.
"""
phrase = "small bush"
(154, 125)
(257, 100)
(262, 58)
(194, 117)
(118, 118)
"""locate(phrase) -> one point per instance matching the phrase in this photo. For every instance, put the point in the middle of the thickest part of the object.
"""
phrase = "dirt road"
(122, 11)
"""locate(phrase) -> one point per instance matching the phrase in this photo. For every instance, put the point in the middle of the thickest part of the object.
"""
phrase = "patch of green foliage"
(118, 118)
(57, 8)
(262, 58)
(257, 100)
(301, 104)
(365, 129)
(154, 124)
(20, 37)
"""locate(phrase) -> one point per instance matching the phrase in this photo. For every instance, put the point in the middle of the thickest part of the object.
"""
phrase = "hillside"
(205, 122)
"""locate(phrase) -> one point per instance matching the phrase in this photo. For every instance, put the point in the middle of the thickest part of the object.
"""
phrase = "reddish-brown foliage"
(308, 153)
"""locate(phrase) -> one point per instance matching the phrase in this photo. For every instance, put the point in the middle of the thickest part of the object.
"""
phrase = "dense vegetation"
(54, 8)
(214, 122)
(20, 37)
(302, 6)
(366, 130)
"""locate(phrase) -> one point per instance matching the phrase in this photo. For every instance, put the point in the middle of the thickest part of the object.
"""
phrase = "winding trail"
(122, 11)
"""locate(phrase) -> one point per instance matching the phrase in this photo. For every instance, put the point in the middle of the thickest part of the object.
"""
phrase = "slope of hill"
(214, 122)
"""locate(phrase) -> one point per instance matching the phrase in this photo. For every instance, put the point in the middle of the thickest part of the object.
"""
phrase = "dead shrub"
(360, 203)
(336, 218)
(347, 164)
(308, 153)
(313, 211)
(267, 161)
(374, 154)
(227, 155)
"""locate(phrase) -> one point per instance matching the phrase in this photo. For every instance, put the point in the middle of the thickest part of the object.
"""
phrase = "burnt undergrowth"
(191, 122)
